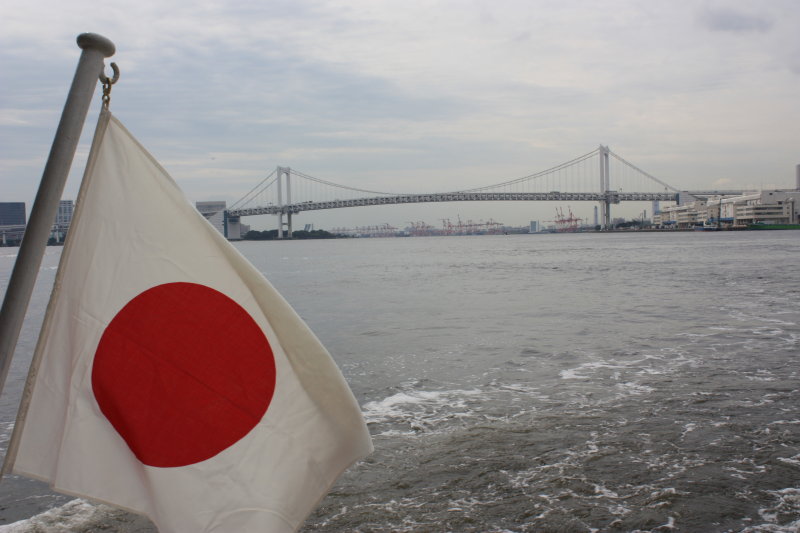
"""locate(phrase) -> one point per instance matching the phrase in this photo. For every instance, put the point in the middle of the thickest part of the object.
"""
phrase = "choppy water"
(618, 382)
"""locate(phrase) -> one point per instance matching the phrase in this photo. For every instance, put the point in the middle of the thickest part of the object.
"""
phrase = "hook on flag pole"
(108, 82)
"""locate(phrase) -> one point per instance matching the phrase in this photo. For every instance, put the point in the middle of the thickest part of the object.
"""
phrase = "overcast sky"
(415, 96)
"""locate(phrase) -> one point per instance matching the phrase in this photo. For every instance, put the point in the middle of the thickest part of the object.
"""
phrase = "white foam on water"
(761, 375)
(571, 374)
(631, 388)
(419, 410)
(601, 490)
(464, 505)
(767, 399)
(421, 397)
(412, 411)
(343, 511)
(669, 525)
(787, 503)
(648, 371)
(70, 516)
(793, 338)
(739, 315)
(578, 372)
(783, 422)
(662, 498)
(394, 515)
(747, 467)
(618, 510)
(6, 430)
(688, 428)
(518, 387)
(670, 468)
(691, 335)
(794, 460)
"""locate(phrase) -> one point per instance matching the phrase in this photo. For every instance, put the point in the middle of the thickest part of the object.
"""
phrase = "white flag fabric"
(170, 378)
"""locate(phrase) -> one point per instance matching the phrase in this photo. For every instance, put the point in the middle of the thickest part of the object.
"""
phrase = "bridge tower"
(284, 171)
(605, 189)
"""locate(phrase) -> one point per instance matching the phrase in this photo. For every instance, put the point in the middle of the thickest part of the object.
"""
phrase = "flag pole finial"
(93, 41)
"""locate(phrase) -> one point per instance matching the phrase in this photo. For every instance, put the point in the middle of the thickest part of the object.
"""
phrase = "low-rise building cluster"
(765, 207)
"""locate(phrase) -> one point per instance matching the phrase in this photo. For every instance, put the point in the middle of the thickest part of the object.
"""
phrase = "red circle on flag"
(182, 372)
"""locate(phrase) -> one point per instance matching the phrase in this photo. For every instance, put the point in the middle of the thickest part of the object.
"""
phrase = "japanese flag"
(170, 378)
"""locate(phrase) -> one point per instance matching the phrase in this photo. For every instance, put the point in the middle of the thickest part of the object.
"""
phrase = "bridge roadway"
(610, 197)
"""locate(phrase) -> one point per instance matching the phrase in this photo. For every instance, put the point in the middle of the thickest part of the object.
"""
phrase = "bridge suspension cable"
(539, 174)
(637, 169)
(331, 184)
(241, 202)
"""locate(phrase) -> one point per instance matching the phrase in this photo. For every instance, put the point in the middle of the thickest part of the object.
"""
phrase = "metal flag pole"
(43, 213)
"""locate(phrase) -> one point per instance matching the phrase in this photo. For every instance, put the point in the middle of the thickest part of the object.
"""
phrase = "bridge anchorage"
(286, 192)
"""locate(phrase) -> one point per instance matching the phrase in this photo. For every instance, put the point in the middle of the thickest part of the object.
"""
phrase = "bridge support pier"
(231, 227)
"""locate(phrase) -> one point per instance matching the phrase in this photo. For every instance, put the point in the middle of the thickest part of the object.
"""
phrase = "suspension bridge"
(286, 192)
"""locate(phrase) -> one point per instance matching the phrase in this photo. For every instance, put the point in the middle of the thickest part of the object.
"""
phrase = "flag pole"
(43, 213)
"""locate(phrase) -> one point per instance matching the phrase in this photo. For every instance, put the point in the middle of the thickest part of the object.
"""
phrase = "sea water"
(568, 382)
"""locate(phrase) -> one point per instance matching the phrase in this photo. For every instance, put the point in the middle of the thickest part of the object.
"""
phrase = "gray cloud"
(730, 20)
(417, 96)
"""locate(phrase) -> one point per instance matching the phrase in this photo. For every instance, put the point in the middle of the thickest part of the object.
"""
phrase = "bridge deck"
(555, 196)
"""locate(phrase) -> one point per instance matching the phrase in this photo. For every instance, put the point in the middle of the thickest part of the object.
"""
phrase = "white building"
(63, 220)
(214, 212)
(765, 207)
(768, 207)
(64, 214)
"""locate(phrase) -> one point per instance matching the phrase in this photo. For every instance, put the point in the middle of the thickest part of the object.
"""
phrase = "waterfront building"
(681, 216)
(63, 220)
(768, 207)
(12, 214)
(12, 223)
(210, 208)
(214, 211)
(765, 207)
(64, 214)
